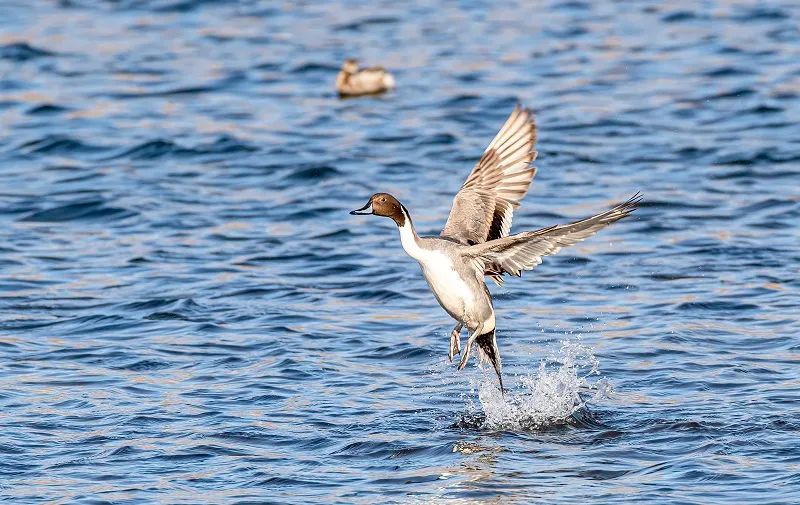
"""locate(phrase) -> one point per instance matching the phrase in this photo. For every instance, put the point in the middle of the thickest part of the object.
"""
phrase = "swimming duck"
(354, 82)
(475, 241)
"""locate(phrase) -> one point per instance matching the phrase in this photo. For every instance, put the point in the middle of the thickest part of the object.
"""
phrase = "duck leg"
(455, 341)
(468, 347)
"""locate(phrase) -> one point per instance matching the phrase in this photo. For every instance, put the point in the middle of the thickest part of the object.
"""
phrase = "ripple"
(313, 172)
(718, 306)
(309, 67)
(679, 16)
(46, 110)
(89, 210)
(22, 51)
(366, 23)
(58, 144)
(159, 148)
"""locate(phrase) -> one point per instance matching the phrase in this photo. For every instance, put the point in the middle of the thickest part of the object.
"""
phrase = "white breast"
(450, 289)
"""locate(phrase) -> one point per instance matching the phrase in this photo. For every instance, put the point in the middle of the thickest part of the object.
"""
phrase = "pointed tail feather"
(488, 351)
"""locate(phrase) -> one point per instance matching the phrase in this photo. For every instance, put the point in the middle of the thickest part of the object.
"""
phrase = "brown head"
(350, 66)
(384, 204)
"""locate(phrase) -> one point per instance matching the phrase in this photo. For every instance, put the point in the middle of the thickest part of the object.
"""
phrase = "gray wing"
(484, 206)
(524, 251)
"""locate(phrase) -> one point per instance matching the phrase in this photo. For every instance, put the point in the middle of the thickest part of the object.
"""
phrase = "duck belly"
(452, 292)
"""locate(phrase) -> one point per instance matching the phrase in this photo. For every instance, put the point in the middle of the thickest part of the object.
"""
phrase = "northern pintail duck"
(475, 241)
(368, 81)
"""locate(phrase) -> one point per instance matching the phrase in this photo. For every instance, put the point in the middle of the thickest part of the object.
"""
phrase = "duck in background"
(353, 81)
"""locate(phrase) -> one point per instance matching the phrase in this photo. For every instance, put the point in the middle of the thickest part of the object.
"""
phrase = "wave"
(159, 148)
(46, 109)
(87, 210)
(21, 51)
(57, 144)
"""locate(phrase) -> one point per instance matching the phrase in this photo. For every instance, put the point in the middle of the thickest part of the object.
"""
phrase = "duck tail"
(488, 351)
(388, 80)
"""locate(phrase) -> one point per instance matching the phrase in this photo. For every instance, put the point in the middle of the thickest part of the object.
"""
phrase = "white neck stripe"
(408, 237)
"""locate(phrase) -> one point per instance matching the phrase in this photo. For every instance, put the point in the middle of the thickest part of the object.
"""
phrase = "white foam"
(565, 381)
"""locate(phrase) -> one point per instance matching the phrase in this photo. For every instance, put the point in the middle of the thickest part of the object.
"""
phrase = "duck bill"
(366, 210)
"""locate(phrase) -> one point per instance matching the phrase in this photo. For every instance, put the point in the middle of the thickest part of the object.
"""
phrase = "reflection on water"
(187, 310)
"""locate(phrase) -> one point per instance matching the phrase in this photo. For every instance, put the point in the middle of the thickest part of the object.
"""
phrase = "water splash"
(566, 380)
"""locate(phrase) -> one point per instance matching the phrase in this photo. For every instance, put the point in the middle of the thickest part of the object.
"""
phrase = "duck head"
(384, 204)
(350, 66)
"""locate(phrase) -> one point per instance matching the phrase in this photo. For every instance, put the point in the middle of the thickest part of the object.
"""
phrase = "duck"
(476, 243)
(368, 81)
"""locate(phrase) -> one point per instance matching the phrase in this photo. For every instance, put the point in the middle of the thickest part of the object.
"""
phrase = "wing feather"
(524, 251)
(484, 206)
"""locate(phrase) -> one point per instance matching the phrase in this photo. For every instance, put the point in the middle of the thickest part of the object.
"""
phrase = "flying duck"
(368, 81)
(475, 241)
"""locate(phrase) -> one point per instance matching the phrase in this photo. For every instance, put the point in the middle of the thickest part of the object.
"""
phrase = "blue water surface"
(188, 314)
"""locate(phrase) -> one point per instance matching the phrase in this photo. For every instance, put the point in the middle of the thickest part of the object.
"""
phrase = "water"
(189, 314)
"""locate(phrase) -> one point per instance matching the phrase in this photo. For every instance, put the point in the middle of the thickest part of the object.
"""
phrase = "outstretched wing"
(524, 251)
(484, 206)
